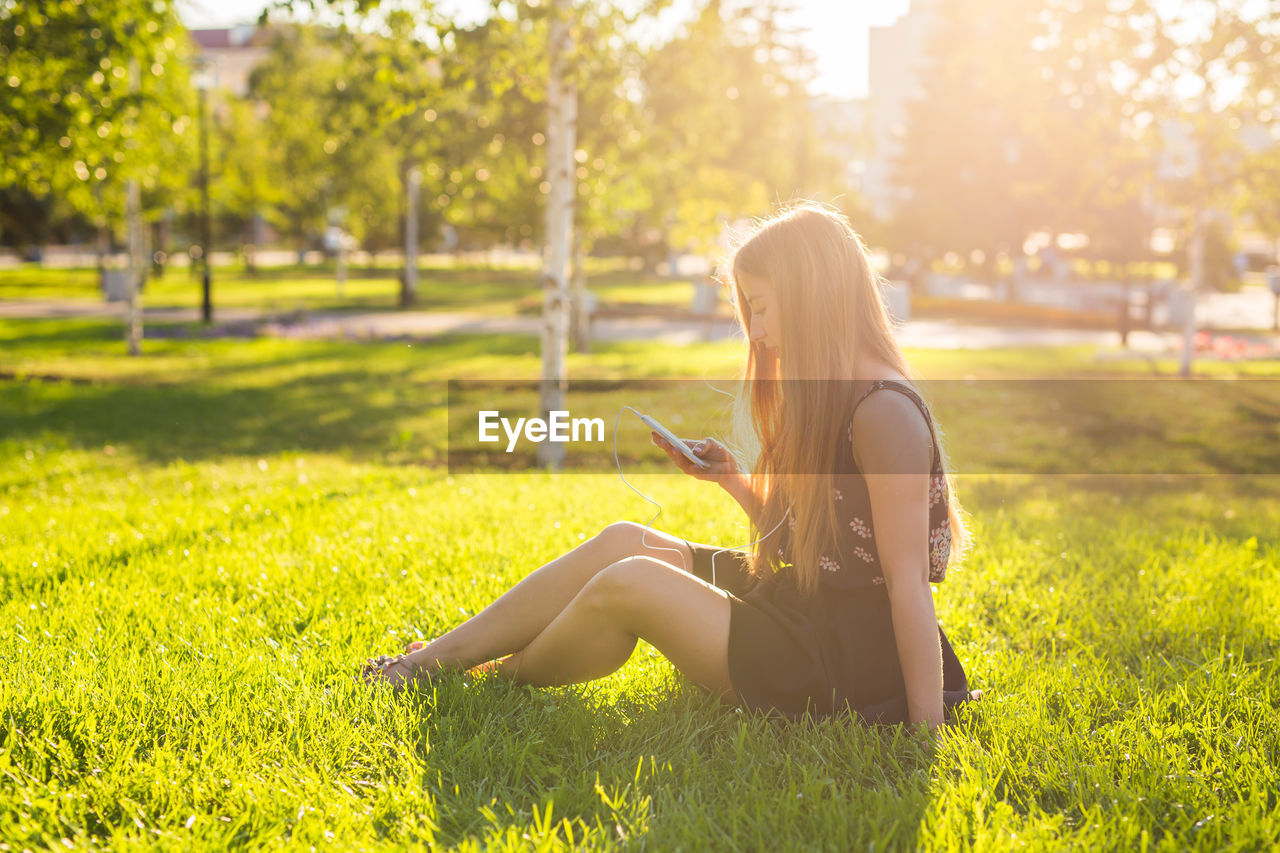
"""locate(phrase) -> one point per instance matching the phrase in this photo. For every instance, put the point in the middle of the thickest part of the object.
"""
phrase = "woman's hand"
(722, 469)
(721, 465)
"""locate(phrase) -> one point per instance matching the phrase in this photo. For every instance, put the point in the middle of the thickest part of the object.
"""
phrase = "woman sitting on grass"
(850, 497)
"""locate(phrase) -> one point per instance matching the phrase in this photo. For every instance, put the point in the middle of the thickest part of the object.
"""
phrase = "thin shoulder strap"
(901, 387)
(894, 385)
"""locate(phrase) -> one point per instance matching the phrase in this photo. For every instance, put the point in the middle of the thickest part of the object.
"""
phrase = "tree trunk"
(133, 314)
(340, 266)
(1275, 324)
(159, 239)
(100, 252)
(137, 264)
(253, 243)
(1123, 308)
(562, 108)
(1197, 284)
(102, 243)
(581, 314)
(206, 225)
(409, 284)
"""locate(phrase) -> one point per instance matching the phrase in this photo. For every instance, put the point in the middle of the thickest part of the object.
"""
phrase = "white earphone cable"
(658, 514)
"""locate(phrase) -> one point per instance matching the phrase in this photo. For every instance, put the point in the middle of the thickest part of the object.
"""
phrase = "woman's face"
(762, 309)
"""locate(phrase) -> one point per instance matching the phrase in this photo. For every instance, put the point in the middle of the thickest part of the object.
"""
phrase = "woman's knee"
(619, 585)
(621, 539)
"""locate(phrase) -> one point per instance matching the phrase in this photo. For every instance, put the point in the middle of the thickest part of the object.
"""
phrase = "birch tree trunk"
(412, 184)
(1197, 285)
(136, 270)
(102, 243)
(1199, 241)
(340, 266)
(137, 265)
(581, 315)
(562, 109)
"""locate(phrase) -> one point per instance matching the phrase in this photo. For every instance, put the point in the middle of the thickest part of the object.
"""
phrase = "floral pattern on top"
(939, 551)
(858, 542)
(937, 490)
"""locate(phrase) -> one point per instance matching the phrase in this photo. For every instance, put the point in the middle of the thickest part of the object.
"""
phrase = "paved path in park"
(925, 334)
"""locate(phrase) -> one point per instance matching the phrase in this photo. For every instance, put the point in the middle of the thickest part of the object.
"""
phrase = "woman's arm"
(893, 448)
(739, 489)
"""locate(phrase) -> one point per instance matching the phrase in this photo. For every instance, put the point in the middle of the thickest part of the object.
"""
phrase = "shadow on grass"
(1107, 426)
(44, 331)
(336, 413)
(316, 396)
(666, 769)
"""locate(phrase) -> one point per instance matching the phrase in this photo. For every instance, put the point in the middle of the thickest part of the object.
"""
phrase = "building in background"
(232, 53)
(895, 55)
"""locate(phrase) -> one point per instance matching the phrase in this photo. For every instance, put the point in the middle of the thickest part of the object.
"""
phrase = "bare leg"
(512, 621)
(684, 617)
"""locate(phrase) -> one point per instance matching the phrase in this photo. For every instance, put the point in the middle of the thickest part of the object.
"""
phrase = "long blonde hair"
(831, 311)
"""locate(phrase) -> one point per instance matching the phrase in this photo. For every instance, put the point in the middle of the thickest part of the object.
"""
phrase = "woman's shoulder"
(891, 429)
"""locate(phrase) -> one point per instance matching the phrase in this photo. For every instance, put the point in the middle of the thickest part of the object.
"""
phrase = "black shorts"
(776, 663)
(730, 566)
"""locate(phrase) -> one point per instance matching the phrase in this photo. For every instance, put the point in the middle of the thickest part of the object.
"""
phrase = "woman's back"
(844, 630)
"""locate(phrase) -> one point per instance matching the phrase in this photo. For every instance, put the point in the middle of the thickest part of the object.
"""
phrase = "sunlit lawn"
(200, 546)
(447, 288)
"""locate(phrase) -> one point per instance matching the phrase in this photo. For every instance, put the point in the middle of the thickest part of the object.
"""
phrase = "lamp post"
(204, 81)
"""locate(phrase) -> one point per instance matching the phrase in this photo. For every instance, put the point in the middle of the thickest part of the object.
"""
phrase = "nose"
(757, 328)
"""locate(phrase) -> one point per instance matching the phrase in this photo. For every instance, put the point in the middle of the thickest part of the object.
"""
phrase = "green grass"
(281, 290)
(200, 546)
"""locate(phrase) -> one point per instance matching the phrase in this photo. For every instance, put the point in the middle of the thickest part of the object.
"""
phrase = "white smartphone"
(675, 441)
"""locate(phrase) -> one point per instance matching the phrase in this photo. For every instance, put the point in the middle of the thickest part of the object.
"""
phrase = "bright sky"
(836, 31)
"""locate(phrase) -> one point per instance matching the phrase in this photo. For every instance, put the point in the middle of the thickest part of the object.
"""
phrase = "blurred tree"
(1261, 200)
(75, 125)
(1205, 74)
(329, 164)
(245, 166)
(27, 221)
(491, 163)
(1103, 148)
(370, 103)
(402, 112)
(1261, 204)
(977, 152)
(730, 127)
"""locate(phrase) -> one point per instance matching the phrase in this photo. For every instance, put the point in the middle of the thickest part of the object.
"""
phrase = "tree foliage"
(94, 94)
(1093, 117)
(675, 133)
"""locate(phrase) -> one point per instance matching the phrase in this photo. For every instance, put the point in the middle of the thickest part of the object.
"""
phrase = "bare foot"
(399, 671)
(483, 668)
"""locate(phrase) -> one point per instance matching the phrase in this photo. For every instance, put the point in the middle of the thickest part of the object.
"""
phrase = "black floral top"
(797, 653)
(857, 561)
